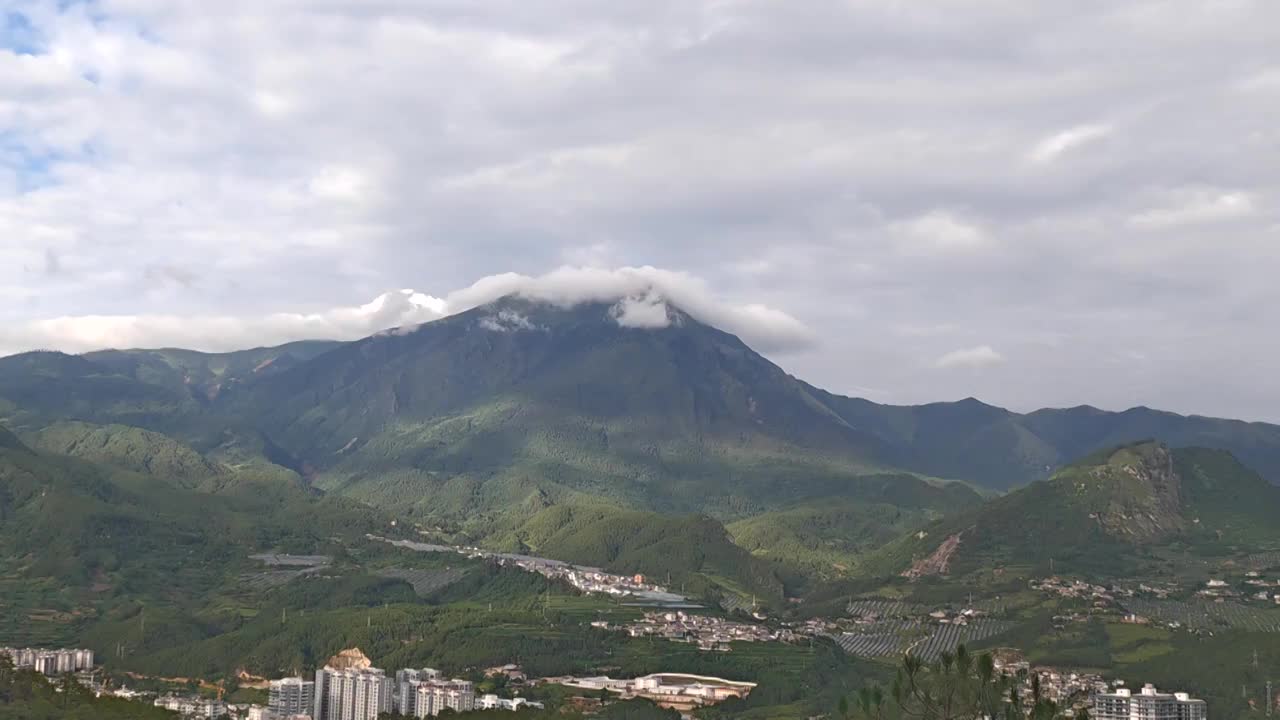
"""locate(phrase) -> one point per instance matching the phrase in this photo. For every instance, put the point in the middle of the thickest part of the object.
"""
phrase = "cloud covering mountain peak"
(641, 297)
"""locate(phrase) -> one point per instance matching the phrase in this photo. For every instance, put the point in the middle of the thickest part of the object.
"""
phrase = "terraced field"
(1263, 561)
(884, 608)
(882, 639)
(946, 638)
(1207, 615)
(927, 641)
(276, 578)
(732, 603)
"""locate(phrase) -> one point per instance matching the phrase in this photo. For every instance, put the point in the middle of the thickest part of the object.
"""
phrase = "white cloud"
(297, 156)
(939, 231)
(639, 296)
(1192, 207)
(982, 356)
(221, 332)
(1055, 145)
(649, 311)
(642, 288)
(506, 321)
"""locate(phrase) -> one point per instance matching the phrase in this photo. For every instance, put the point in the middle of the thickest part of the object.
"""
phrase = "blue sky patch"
(19, 35)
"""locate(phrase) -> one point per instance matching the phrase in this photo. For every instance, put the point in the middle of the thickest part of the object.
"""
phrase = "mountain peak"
(1132, 491)
(516, 312)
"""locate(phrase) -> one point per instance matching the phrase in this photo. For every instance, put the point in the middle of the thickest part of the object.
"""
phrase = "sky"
(1033, 203)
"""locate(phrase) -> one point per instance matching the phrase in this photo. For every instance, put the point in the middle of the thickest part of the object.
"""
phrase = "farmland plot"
(1207, 615)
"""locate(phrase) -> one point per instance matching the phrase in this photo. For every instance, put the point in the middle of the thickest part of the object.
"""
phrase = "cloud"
(939, 231)
(221, 332)
(864, 168)
(982, 356)
(1049, 149)
(650, 311)
(52, 263)
(639, 296)
(1194, 207)
(506, 321)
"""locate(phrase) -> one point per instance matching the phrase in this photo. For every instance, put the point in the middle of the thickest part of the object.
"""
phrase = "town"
(349, 687)
(708, 632)
(585, 579)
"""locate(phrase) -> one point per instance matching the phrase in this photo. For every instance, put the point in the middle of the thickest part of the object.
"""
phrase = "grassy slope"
(693, 552)
(127, 448)
(827, 539)
(1096, 517)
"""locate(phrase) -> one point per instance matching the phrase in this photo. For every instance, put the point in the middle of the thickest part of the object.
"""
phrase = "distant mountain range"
(540, 427)
(568, 392)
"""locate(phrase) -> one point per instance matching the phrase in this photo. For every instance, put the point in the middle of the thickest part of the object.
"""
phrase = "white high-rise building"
(435, 697)
(291, 696)
(50, 662)
(408, 681)
(355, 694)
(423, 694)
(1148, 704)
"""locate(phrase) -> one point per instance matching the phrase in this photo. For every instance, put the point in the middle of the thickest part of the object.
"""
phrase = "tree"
(6, 676)
(957, 687)
(71, 690)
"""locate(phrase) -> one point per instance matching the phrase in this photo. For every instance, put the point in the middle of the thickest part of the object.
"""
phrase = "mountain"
(998, 448)
(485, 408)
(165, 390)
(206, 375)
(1102, 515)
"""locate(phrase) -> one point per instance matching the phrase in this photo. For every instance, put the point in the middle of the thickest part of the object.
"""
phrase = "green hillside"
(691, 552)
(128, 448)
(80, 540)
(1105, 515)
(206, 375)
(829, 539)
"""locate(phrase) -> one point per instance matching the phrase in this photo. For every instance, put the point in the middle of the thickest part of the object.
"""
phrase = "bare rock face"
(349, 659)
(1143, 501)
(938, 562)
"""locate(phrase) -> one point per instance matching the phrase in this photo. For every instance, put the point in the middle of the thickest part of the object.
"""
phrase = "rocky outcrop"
(349, 659)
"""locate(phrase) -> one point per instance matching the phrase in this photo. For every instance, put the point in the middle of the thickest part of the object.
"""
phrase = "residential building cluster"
(705, 631)
(493, 702)
(1147, 704)
(50, 662)
(586, 579)
(1255, 587)
(193, 706)
(955, 617)
(360, 692)
(1100, 596)
(1064, 687)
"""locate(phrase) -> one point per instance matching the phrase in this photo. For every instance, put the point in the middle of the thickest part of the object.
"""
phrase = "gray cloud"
(1090, 188)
